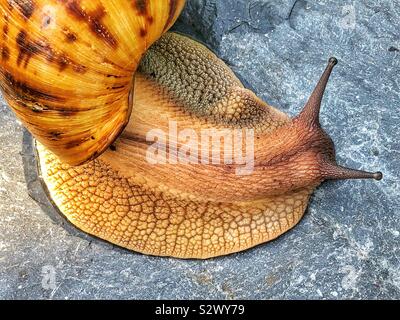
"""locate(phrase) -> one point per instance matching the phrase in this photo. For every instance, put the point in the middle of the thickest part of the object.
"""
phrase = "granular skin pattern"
(98, 200)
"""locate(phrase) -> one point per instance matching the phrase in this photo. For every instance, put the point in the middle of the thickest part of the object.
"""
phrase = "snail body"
(187, 209)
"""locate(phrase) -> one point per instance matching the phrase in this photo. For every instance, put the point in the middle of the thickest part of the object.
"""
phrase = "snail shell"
(67, 67)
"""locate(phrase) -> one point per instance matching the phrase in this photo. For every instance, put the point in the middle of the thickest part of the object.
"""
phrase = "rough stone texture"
(347, 246)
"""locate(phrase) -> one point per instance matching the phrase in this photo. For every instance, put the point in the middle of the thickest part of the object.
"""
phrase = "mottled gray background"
(347, 246)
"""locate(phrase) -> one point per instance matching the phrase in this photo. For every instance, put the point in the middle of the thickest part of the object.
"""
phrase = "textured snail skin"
(197, 210)
(66, 67)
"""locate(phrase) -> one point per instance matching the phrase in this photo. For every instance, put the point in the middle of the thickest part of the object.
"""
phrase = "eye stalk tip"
(378, 176)
(333, 61)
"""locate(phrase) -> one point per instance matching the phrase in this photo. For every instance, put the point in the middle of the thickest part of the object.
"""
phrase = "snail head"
(308, 122)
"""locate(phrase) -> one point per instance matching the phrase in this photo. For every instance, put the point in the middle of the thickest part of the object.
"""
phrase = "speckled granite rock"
(347, 246)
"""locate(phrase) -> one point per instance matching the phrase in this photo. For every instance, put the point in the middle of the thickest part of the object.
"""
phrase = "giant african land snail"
(68, 70)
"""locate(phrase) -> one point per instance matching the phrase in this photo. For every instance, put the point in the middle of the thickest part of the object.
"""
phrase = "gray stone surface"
(347, 246)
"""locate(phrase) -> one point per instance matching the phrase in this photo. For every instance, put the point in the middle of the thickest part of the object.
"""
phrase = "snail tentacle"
(311, 111)
(333, 171)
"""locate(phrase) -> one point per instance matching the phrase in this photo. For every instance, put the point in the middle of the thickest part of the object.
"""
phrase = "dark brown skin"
(310, 118)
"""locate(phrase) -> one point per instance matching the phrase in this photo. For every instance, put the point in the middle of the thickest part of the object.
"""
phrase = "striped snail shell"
(67, 67)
